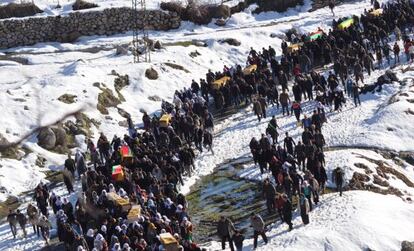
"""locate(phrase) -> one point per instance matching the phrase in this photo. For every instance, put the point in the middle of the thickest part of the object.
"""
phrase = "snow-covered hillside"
(357, 221)
(31, 91)
(49, 6)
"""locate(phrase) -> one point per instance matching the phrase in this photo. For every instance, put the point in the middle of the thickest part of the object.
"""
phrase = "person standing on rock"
(338, 179)
(258, 225)
(225, 230)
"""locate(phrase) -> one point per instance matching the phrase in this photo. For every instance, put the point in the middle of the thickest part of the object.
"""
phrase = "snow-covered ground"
(358, 220)
(49, 6)
(52, 72)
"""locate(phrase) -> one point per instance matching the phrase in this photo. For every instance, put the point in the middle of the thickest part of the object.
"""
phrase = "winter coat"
(338, 176)
(21, 218)
(287, 211)
(284, 98)
(33, 214)
(303, 205)
(12, 219)
(257, 223)
(225, 228)
(238, 240)
(269, 191)
(257, 107)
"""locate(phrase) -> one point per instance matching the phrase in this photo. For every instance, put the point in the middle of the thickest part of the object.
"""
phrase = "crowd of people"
(159, 154)
(298, 168)
(156, 158)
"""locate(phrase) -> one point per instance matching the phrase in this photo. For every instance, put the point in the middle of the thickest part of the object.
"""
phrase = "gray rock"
(158, 45)
(231, 41)
(407, 246)
(151, 73)
(46, 138)
(121, 51)
(60, 136)
(220, 22)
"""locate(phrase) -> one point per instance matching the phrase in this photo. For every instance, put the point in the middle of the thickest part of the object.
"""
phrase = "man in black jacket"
(225, 230)
(287, 211)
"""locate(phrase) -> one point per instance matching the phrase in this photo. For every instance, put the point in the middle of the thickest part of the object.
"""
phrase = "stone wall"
(28, 31)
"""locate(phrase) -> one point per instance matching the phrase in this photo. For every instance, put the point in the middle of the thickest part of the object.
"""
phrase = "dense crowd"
(156, 158)
(298, 168)
(159, 154)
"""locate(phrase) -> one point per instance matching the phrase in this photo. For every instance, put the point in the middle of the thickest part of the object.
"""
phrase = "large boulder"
(231, 41)
(158, 45)
(120, 50)
(11, 152)
(220, 11)
(46, 138)
(407, 246)
(60, 134)
(220, 22)
(82, 5)
(151, 73)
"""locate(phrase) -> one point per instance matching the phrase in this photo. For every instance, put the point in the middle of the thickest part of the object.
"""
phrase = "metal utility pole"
(140, 41)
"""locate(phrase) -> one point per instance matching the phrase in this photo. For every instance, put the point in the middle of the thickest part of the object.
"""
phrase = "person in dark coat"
(319, 140)
(238, 239)
(269, 193)
(284, 101)
(12, 220)
(289, 144)
(70, 165)
(225, 230)
(287, 211)
(21, 218)
(208, 141)
(355, 92)
(272, 129)
(338, 179)
(300, 154)
(257, 107)
(67, 179)
(303, 207)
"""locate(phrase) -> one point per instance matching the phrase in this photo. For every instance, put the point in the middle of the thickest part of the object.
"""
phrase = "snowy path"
(53, 73)
(346, 128)
(356, 221)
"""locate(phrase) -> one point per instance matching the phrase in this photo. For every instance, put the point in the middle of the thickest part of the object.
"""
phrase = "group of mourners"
(143, 168)
(157, 156)
(298, 168)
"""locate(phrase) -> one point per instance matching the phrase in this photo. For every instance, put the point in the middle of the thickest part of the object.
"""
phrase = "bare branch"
(37, 129)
